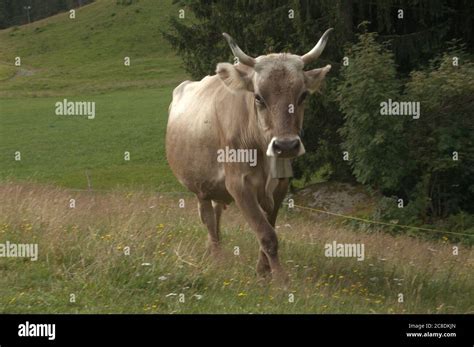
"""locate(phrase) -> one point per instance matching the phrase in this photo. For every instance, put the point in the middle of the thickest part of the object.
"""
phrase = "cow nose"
(286, 145)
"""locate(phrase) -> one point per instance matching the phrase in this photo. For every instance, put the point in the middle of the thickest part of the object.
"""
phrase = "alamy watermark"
(231, 155)
(400, 108)
(19, 250)
(75, 108)
(28, 329)
(345, 250)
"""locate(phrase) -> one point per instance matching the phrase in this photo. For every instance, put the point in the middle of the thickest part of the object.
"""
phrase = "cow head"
(279, 85)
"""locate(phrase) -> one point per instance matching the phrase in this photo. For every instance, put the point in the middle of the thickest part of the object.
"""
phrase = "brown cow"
(253, 107)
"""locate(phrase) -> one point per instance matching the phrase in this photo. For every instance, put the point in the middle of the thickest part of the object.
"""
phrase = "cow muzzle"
(285, 147)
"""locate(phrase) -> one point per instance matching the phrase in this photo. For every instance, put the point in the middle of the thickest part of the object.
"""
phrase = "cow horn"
(318, 49)
(243, 58)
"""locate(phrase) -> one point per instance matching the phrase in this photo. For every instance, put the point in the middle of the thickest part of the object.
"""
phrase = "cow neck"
(247, 133)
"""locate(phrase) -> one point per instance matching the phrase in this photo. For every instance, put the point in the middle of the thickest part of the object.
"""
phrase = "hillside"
(83, 60)
(86, 55)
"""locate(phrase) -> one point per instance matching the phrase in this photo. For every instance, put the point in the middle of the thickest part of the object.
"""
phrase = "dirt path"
(19, 72)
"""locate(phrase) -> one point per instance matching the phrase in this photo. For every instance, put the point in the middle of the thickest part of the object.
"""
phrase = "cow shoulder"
(179, 90)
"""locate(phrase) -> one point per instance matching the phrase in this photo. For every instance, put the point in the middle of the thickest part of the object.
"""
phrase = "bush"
(428, 162)
(377, 152)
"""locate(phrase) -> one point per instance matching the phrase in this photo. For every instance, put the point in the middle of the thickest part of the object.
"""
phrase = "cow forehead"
(289, 61)
(279, 73)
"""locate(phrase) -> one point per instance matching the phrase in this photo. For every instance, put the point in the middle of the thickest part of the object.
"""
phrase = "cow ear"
(314, 78)
(237, 77)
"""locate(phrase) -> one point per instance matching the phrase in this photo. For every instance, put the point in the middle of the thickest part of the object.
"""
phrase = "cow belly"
(191, 146)
(194, 163)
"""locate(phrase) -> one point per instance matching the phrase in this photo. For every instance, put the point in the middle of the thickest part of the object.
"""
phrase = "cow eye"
(302, 97)
(259, 100)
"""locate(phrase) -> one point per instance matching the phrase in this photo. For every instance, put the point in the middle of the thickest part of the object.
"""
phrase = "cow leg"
(263, 264)
(208, 217)
(246, 200)
(218, 209)
(278, 197)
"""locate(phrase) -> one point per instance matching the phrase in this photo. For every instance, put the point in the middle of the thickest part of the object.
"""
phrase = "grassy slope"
(81, 252)
(85, 54)
(82, 59)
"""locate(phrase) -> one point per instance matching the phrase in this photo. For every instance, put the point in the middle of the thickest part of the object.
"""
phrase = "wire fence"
(160, 192)
(90, 189)
(369, 221)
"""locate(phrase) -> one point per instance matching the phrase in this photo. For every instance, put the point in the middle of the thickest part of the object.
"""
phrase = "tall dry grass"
(84, 251)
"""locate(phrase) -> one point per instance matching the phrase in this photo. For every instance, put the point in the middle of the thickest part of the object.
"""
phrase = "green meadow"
(82, 59)
(75, 152)
(63, 56)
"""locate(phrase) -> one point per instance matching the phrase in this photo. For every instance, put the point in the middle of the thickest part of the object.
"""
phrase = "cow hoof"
(264, 277)
(281, 279)
(214, 250)
(263, 282)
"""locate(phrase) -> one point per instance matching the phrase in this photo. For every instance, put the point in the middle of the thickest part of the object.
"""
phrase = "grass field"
(62, 56)
(82, 60)
(82, 249)
(62, 149)
(81, 252)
